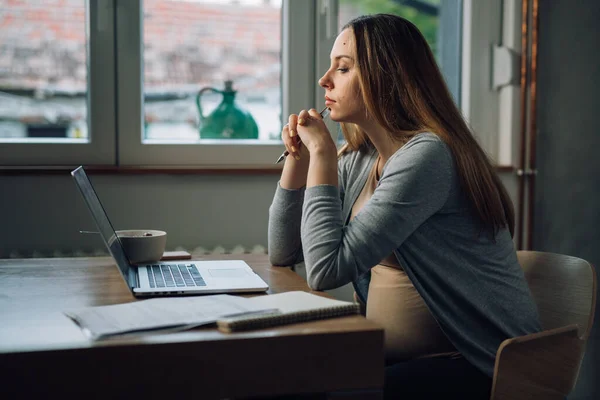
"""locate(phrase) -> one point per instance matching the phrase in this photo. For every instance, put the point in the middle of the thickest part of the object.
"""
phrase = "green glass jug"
(228, 120)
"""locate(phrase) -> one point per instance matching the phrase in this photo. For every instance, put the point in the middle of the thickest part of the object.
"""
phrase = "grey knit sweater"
(470, 281)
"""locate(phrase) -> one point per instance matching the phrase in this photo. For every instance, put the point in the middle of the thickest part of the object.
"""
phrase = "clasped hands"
(307, 132)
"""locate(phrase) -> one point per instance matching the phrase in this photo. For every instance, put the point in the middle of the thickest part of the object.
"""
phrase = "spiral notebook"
(287, 308)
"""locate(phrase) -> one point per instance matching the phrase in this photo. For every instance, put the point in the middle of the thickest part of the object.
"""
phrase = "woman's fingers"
(290, 132)
(313, 131)
(292, 121)
(293, 134)
(290, 138)
(288, 141)
(314, 114)
(285, 134)
(302, 117)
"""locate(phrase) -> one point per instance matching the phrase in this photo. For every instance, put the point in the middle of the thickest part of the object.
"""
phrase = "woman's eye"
(343, 70)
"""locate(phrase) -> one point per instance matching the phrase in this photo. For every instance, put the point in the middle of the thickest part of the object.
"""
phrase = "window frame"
(492, 113)
(100, 148)
(298, 67)
(115, 89)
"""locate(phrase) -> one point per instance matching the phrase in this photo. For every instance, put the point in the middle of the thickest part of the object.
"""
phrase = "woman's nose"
(324, 82)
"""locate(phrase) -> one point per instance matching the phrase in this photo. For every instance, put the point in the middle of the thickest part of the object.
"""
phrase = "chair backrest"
(546, 365)
(563, 287)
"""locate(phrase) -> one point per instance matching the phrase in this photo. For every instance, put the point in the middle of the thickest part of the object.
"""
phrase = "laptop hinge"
(134, 277)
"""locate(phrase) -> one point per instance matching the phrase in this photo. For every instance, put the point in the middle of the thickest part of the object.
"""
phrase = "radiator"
(239, 249)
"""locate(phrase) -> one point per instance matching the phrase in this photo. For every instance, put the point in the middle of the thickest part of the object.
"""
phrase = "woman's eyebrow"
(336, 58)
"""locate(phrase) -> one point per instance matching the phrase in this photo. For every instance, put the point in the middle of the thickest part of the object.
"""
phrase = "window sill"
(142, 170)
(504, 168)
(149, 170)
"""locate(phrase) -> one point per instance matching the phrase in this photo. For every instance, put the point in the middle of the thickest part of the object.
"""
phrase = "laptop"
(168, 278)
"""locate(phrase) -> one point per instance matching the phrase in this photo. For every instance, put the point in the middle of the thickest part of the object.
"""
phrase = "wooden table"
(43, 353)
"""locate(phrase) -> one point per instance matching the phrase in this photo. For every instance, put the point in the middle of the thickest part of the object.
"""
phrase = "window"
(463, 35)
(439, 21)
(116, 82)
(50, 56)
(492, 110)
(191, 49)
(192, 45)
(43, 78)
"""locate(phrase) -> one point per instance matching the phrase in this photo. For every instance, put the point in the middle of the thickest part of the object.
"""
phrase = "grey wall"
(45, 213)
(567, 195)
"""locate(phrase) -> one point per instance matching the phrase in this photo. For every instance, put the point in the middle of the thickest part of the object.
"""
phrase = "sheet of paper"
(160, 313)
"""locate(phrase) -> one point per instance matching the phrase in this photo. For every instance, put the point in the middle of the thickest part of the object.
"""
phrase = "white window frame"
(307, 39)
(100, 149)
(492, 112)
(309, 28)
(299, 69)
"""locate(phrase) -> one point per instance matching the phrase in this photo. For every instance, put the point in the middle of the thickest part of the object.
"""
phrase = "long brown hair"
(405, 92)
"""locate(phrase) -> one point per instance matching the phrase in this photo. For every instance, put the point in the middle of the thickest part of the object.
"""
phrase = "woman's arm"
(285, 213)
(284, 245)
(295, 168)
(322, 168)
(415, 185)
(284, 241)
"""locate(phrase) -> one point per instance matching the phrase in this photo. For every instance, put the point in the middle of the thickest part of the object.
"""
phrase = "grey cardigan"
(471, 282)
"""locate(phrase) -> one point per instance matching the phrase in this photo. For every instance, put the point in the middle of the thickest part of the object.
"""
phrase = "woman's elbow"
(319, 281)
(315, 284)
(326, 274)
(279, 260)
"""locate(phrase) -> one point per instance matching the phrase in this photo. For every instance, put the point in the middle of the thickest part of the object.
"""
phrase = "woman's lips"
(328, 101)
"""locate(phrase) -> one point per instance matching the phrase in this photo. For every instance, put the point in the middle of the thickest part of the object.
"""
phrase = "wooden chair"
(546, 365)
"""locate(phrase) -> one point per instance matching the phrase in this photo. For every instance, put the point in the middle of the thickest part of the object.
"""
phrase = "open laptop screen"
(104, 226)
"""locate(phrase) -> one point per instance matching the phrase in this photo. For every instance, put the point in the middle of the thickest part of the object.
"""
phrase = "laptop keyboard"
(171, 275)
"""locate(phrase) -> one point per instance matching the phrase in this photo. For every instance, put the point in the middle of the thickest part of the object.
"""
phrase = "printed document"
(162, 313)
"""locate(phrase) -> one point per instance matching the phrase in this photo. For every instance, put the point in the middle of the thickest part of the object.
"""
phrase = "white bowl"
(143, 245)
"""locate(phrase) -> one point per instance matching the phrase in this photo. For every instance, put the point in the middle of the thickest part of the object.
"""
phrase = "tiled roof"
(43, 44)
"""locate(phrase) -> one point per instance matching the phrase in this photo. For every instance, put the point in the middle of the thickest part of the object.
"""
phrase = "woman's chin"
(335, 116)
(340, 117)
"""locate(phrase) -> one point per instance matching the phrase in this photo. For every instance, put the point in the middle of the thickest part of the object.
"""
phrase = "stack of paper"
(232, 313)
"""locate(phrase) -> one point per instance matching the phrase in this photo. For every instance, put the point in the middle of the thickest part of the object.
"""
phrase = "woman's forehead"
(344, 44)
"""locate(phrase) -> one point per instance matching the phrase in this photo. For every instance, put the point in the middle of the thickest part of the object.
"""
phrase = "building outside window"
(192, 45)
(43, 69)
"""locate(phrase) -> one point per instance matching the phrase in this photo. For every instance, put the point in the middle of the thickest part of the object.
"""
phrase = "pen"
(324, 113)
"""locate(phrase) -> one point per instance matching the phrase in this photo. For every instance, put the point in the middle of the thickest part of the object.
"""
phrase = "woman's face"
(342, 90)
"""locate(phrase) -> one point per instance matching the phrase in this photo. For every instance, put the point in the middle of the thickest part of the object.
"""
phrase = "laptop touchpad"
(227, 273)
